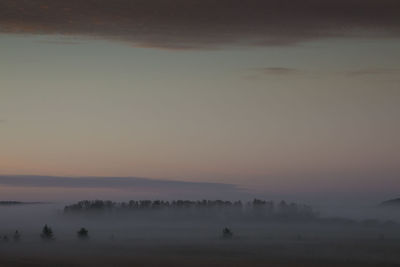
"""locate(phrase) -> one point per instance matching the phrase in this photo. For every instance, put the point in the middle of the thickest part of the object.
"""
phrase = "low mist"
(136, 232)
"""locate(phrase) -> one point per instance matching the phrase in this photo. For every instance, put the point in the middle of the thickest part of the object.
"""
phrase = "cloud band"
(203, 24)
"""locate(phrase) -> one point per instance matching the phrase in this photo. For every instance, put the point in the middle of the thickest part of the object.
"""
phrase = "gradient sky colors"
(272, 96)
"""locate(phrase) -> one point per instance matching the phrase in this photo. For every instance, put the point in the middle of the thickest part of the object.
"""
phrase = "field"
(132, 240)
(270, 245)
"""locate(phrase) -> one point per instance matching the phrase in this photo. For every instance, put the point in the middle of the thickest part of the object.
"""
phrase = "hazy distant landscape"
(199, 133)
(189, 233)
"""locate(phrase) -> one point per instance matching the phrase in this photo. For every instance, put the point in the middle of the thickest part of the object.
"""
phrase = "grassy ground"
(279, 253)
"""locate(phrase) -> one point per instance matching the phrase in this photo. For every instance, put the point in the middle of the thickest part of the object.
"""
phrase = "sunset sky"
(280, 97)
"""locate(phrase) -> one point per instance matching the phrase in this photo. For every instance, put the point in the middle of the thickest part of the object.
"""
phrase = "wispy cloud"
(286, 71)
(260, 73)
(204, 24)
(371, 71)
(277, 71)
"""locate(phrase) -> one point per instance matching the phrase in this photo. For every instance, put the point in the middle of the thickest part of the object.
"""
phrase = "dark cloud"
(201, 24)
(97, 182)
(122, 183)
(277, 71)
(59, 42)
(372, 71)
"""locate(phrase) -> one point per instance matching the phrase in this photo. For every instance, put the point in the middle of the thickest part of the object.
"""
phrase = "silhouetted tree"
(227, 233)
(16, 236)
(83, 233)
(47, 232)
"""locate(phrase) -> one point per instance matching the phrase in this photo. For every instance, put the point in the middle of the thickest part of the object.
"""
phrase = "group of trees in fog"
(47, 234)
(16, 237)
(256, 208)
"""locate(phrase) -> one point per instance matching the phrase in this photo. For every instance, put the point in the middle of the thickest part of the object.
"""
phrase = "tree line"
(254, 208)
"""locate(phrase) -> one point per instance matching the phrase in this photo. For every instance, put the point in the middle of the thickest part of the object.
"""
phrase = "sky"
(270, 97)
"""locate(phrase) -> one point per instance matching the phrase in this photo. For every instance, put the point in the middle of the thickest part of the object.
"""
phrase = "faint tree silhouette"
(47, 233)
(16, 236)
(83, 233)
(227, 233)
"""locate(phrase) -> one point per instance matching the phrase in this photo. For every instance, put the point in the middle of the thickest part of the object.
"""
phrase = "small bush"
(83, 233)
(227, 233)
(16, 236)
